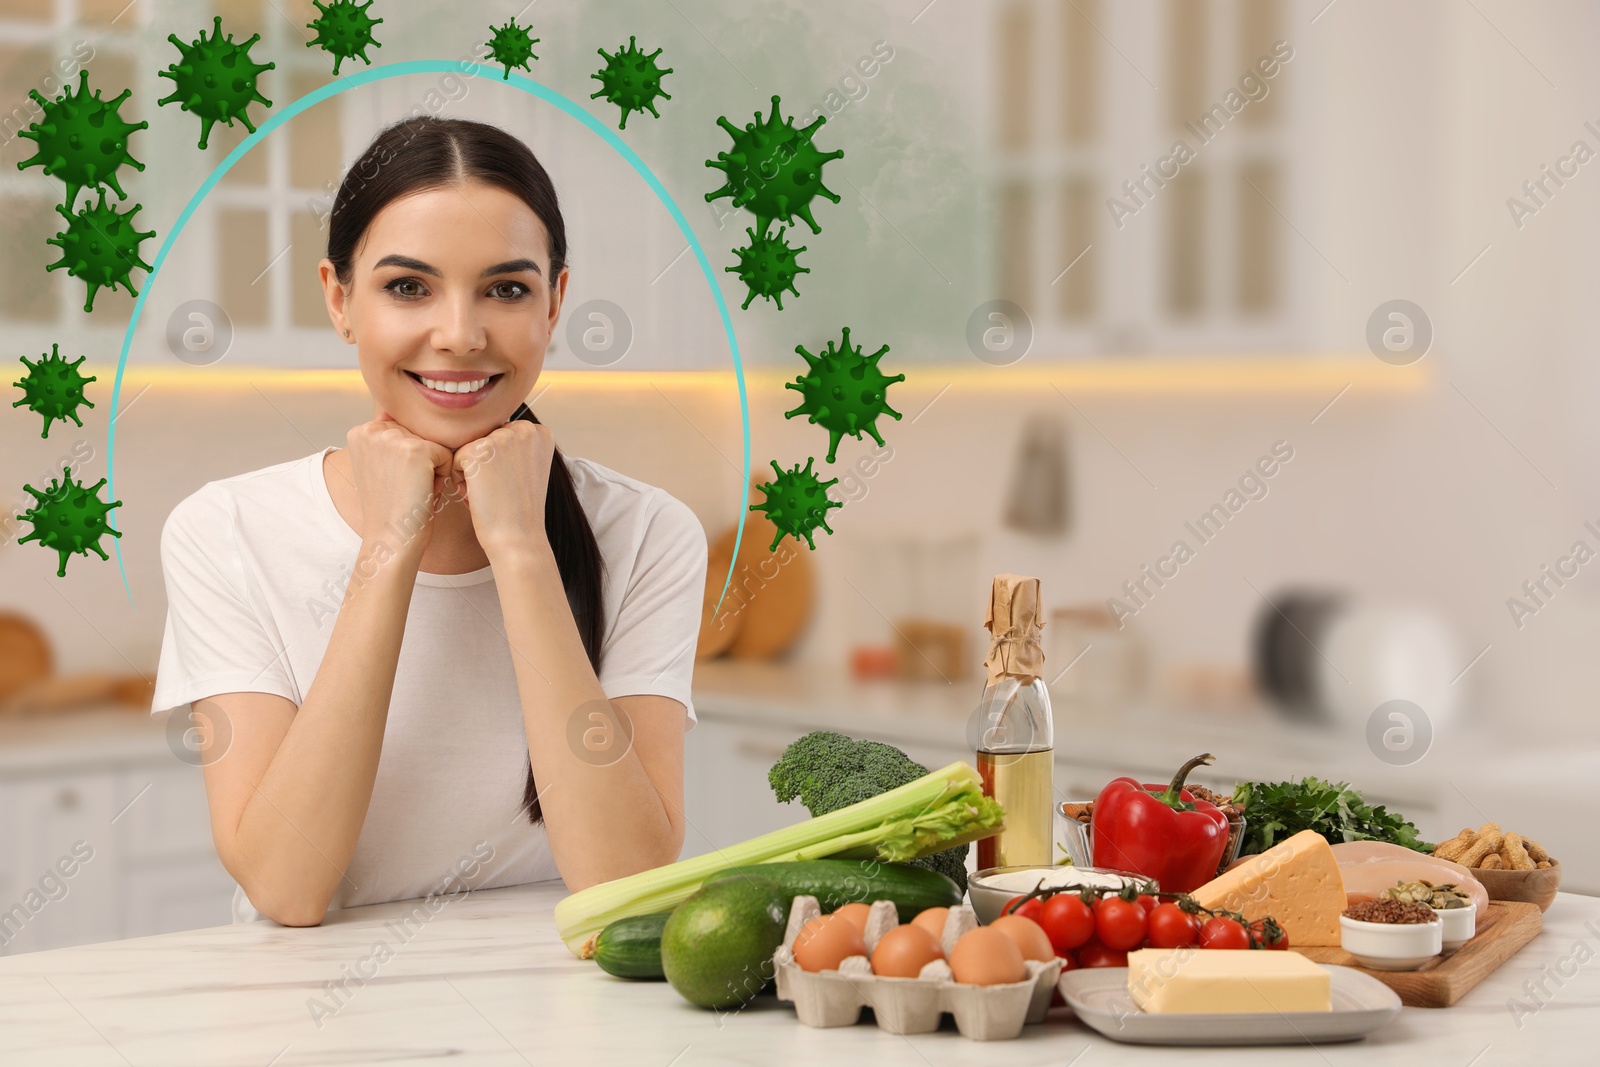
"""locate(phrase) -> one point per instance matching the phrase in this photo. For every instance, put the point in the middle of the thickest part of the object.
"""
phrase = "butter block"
(1196, 981)
(1296, 881)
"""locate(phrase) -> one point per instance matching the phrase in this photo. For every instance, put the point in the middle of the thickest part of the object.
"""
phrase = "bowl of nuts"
(1077, 817)
(1510, 866)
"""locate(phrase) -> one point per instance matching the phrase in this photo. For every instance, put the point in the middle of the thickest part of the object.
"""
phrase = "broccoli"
(828, 771)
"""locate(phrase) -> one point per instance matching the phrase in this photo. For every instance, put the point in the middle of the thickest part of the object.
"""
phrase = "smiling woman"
(446, 638)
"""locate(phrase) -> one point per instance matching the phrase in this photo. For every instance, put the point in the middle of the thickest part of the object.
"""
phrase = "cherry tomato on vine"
(1118, 923)
(1028, 909)
(1258, 936)
(1222, 932)
(1067, 922)
(1095, 954)
(1172, 927)
(1147, 902)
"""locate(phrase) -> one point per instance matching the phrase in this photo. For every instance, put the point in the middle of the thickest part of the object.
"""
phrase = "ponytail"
(578, 559)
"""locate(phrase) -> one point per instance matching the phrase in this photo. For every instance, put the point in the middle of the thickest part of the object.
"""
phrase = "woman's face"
(451, 306)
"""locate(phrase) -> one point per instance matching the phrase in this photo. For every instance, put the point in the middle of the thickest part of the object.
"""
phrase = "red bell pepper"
(1166, 834)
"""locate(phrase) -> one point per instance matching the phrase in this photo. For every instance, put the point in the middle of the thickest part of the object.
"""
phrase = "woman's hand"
(506, 473)
(398, 478)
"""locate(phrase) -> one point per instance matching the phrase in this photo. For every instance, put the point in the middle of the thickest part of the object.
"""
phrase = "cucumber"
(836, 882)
(631, 947)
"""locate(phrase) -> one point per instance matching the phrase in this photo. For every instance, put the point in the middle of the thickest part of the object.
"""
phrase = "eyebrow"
(510, 266)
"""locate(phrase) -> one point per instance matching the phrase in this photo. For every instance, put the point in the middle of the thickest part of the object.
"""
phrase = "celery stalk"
(940, 810)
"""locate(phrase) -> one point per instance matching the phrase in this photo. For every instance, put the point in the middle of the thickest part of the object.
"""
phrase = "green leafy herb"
(1276, 810)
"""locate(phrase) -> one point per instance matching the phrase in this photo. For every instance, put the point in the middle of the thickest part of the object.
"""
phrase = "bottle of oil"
(1012, 728)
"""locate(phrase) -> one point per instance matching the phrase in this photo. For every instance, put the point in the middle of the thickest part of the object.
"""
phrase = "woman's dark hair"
(426, 152)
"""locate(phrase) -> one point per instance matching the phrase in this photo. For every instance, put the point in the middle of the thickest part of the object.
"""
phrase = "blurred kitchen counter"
(1249, 741)
(92, 736)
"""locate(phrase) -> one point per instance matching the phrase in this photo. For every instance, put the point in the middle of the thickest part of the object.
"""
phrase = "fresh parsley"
(1276, 810)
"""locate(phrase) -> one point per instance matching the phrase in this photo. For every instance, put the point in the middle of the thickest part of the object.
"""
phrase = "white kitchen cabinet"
(101, 796)
(165, 810)
(727, 798)
(63, 884)
(175, 894)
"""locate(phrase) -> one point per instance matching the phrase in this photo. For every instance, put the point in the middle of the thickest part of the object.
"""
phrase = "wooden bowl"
(1533, 887)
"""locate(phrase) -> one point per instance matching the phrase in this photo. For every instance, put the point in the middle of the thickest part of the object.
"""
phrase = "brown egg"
(932, 920)
(1029, 936)
(904, 951)
(986, 956)
(826, 940)
(856, 912)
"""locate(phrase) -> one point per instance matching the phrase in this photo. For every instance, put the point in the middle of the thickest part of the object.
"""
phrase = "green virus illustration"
(82, 139)
(69, 517)
(796, 503)
(215, 78)
(100, 246)
(768, 266)
(344, 29)
(54, 388)
(631, 80)
(512, 46)
(774, 169)
(843, 390)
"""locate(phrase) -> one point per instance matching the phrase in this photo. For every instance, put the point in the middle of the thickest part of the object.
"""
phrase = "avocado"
(716, 949)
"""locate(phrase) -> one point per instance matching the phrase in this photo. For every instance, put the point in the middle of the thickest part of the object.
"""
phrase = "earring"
(347, 333)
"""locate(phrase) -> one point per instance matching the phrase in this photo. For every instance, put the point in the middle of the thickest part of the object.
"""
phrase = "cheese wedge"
(1194, 981)
(1296, 881)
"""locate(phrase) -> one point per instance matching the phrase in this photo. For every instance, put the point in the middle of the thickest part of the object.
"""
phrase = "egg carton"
(909, 1005)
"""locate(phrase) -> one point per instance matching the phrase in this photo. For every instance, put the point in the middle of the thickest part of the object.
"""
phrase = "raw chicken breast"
(1370, 867)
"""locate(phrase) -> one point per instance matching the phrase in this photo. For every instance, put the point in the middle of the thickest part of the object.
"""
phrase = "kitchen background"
(1108, 344)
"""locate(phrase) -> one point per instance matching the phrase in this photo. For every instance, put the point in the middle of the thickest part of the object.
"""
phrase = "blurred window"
(1110, 234)
(262, 230)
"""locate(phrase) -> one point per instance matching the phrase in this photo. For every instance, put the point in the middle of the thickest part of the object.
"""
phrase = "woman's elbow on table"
(294, 916)
(290, 909)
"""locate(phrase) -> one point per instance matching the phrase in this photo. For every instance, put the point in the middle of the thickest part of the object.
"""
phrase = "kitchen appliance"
(1321, 654)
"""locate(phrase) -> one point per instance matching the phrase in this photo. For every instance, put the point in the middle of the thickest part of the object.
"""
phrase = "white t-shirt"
(256, 567)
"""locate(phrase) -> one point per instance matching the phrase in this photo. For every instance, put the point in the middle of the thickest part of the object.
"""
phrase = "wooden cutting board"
(1443, 980)
(769, 599)
(25, 654)
(717, 631)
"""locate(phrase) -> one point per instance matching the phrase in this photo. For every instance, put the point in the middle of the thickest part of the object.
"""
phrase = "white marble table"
(484, 980)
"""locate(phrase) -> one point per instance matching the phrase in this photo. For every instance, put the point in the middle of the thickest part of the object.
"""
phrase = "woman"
(444, 652)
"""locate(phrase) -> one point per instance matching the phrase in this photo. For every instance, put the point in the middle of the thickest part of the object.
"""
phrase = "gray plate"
(1099, 996)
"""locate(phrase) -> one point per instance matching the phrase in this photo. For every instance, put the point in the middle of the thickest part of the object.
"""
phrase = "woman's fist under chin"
(398, 477)
(505, 474)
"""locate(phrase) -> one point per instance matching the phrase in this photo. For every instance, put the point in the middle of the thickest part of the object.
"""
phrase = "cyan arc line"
(434, 66)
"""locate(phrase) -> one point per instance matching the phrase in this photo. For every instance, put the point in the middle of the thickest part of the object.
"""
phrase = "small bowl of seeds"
(1454, 908)
(1391, 935)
